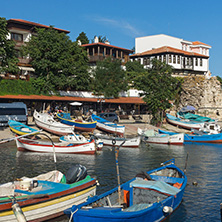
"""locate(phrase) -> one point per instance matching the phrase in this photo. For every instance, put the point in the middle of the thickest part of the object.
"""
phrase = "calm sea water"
(200, 203)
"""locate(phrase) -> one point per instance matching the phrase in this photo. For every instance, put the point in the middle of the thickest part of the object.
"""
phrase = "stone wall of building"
(204, 94)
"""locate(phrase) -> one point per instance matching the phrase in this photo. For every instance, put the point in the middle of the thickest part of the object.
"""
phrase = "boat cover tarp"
(194, 117)
(155, 185)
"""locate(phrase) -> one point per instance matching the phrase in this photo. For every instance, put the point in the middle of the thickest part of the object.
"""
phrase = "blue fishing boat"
(198, 138)
(184, 123)
(107, 126)
(150, 196)
(80, 125)
(20, 128)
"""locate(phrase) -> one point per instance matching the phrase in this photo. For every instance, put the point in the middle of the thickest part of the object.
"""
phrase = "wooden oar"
(17, 137)
(117, 169)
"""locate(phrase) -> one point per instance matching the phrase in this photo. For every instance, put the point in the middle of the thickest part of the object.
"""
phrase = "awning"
(26, 68)
(75, 104)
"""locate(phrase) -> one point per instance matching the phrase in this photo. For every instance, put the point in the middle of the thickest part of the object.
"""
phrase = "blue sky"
(124, 20)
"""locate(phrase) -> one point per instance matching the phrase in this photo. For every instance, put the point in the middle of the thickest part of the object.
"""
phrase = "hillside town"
(101, 107)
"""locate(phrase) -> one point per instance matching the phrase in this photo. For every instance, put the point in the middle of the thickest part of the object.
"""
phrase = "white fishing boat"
(79, 139)
(150, 136)
(117, 141)
(184, 123)
(48, 147)
(108, 126)
(47, 122)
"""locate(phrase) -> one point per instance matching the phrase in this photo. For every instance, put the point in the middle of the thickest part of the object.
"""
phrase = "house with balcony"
(98, 51)
(21, 31)
(186, 57)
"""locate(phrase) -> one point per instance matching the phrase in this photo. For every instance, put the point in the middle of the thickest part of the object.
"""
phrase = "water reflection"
(200, 203)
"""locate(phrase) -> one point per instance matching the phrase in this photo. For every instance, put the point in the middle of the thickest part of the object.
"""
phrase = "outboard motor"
(75, 173)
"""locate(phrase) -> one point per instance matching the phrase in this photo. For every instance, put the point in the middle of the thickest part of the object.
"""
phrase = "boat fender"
(75, 173)
(167, 209)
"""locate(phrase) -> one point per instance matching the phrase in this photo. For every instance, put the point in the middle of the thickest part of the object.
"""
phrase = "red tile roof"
(107, 45)
(122, 100)
(199, 43)
(169, 49)
(21, 21)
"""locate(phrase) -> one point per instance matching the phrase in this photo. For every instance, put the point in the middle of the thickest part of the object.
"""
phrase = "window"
(174, 58)
(196, 63)
(164, 58)
(178, 59)
(201, 62)
(170, 59)
(17, 37)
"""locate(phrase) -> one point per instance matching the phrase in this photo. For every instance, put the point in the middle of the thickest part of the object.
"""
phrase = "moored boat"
(47, 147)
(107, 126)
(186, 124)
(46, 196)
(20, 128)
(150, 196)
(80, 125)
(79, 139)
(117, 141)
(47, 122)
(150, 136)
(192, 138)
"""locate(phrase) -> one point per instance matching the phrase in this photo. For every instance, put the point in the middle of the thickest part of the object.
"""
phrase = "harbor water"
(202, 197)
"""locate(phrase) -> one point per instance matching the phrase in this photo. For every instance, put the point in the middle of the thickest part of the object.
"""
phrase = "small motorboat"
(184, 123)
(20, 128)
(79, 139)
(107, 126)
(80, 125)
(41, 146)
(45, 196)
(150, 136)
(47, 122)
(150, 196)
(198, 138)
(116, 141)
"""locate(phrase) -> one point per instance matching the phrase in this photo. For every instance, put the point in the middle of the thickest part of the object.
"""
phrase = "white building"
(185, 57)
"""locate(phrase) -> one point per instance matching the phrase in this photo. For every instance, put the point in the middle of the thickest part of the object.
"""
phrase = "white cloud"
(119, 24)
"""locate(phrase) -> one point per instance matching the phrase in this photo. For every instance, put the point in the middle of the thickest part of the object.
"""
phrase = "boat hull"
(192, 138)
(177, 139)
(20, 128)
(79, 126)
(46, 122)
(50, 206)
(186, 125)
(129, 142)
(35, 146)
(108, 127)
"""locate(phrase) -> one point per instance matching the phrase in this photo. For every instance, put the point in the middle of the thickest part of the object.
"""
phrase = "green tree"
(158, 88)
(83, 38)
(133, 68)
(58, 62)
(8, 58)
(109, 78)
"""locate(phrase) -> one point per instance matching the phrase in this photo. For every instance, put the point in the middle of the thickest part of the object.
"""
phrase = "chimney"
(96, 39)
(107, 42)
